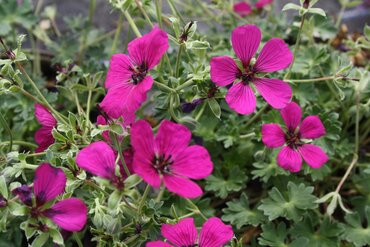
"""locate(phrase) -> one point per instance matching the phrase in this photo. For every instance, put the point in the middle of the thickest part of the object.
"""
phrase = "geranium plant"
(252, 130)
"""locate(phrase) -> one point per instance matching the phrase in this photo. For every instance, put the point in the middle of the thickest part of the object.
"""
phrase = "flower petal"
(172, 138)
(245, 41)
(149, 48)
(276, 92)
(312, 128)
(292, 115)
(272, 135)
(182, 186)
(215, 233)
(97, 158)
(194, 162)
(242, 8)
(70, 214)
(44, 117)
(125, 97)
(142, 141)
(184, 233)
(274, 56)
(223, 70)
(49, 182)
(289, 159)
(158, 244)
(24, 192)
(313, 155)
(119, 70)
(241, 98)
(44, 138)
(262, 3)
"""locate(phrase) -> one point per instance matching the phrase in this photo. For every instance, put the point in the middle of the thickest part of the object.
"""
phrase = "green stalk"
(158, 10)
(175, 11)
(78, 240)
(132, 24)
(257, 115)
(119, 149)
(88, 107)
(117, 34)
(184, 85)
(296, 46)
(314, 80)
(341, 12)
(7, 128)
(178, 61)
(143, 198)
(142, 10)
(164, 87)
(21, 143)
(196, 209)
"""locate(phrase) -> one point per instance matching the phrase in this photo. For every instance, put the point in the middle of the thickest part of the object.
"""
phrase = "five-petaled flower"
(274, 56)
(294, 139)
(49, 182)
(43, 136)
(127, 79)
(244, 8)
(99, 158)
(214, 233)
(168, 156)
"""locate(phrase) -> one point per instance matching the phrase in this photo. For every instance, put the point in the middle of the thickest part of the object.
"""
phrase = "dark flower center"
(162, 163)
(139, 73)
(246, 77)
(293, 139)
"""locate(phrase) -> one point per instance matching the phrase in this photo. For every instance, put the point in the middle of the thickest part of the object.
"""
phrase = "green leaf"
(319, 233)
(221, 186)
(197, 45)
(298, 198)
(317, 11)
(265, 170)
(290, 6)
(215, 107)
(354, 231)
(56, 236)
(277, 236)
(40, 240)
(239, 214)
(3, 187)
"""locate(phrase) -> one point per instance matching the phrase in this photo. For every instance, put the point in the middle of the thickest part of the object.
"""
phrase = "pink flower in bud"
(214, 233)
(43, 136)
(243, 8)
(294, 139)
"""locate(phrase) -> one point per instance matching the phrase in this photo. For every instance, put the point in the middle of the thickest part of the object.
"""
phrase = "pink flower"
(243, 8)
(43, 136)
(274, 56)
(127, 79)
(168, 156)
(49, 182)
(99, 158)
(214, 233)
(128, 119)
(294, 139)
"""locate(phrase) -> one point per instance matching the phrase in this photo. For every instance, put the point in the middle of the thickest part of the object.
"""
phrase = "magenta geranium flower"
(43, 136)
(214, 233)
(244, 8)
(168, 156)
(295, 139)
(49, 182)
(274, 56)
(127, 79)
(99, 158)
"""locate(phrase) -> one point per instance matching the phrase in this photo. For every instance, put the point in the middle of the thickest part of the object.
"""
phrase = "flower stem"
(160, 194)
(132, 23)
(77, 239)
(119, 149)
(158, 10)
(164, 87)
(341, 12)
(88, 107)
(21, 143)
(196, 209)
(257, 115)
(7, 128)
(314, 80)
(178, 60)
(142, 10)
(185, 84)
(143, 198)
(117, 35)
(296, 47)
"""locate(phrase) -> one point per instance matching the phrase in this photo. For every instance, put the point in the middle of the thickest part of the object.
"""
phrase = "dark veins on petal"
(139, 73)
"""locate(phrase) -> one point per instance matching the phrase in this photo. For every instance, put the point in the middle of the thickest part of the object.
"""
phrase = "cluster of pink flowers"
(166, 158)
